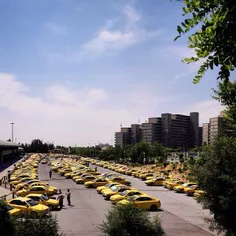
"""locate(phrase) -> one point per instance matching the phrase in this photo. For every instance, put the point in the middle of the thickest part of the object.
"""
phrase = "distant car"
(142, 202)
(35, 189)
(13, 211)
(124, 195)
(27, 205)
(44, 161)
(44, 200)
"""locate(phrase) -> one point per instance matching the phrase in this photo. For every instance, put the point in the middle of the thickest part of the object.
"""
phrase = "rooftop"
(8, 144)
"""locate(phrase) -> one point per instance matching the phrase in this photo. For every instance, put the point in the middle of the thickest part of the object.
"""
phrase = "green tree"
(215, 173)
(214, 40)
(6, 226)
(226, 94)
(127, 220)
(42, 226)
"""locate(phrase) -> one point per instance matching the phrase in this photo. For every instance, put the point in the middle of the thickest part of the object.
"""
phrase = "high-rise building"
(200, 136)
(194, 129)
(123, 137)
(136, 133)
(172, 130)
(180, 130)
(205, 133)
(151, 131)
(216, 127)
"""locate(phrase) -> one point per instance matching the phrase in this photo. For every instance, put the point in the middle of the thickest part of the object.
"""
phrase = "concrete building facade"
(180, 130)
(172, 130)
(216, 126)
(205, 133)
(136, 133)
(123, 137)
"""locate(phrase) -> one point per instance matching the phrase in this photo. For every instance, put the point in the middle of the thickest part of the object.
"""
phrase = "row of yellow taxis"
(154, 178)
(32, 195)
(111, 186)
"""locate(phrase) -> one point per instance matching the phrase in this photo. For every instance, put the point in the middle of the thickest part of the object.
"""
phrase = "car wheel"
(153, 208)
(34, 214)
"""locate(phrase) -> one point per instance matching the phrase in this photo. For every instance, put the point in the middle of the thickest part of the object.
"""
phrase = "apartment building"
(180, 130)
(123, 137)
(216, 126)
(200, 130)
(151, 131)
(136, 133)
(205, 133)
(172, 130)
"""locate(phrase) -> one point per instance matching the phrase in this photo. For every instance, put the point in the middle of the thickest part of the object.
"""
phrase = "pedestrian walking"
(60, 199)
(68, 195)
(96, 168)
(50, 174)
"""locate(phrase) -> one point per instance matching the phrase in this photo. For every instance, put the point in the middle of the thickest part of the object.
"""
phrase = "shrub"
(6, 226)
(180, 170)
(28, 226)
(127, 220)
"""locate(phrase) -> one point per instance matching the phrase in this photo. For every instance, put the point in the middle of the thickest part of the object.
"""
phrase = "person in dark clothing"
(50, 174)
(68, 194)
(96, 168)
(60, 199)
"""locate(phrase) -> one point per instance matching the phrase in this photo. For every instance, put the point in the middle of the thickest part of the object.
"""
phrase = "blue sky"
(72, 70)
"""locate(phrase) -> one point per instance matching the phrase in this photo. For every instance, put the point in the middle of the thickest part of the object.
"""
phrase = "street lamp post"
(12, 132)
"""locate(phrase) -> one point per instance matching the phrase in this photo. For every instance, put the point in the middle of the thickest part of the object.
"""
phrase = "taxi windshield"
(32, 202)
(124, 193)
(45, 198)
(131, 198)
(114, 188)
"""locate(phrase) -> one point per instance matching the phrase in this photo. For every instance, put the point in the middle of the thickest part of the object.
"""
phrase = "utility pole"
(12, 132)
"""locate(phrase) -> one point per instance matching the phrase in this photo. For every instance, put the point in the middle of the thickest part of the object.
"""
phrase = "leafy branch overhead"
(214, 41)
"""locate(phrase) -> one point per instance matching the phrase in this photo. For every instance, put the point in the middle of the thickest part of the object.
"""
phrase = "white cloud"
(61, 114)
(71, 116)
(110, 38)
(206, 109)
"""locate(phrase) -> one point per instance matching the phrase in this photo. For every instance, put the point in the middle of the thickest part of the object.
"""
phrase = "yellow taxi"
(158, 181)
(123, 195)
(27, 205)
(109, 185)
(44, 161)
(44, 200)
(119, 179)
(84, 179)
(114, 190)
(198, 193)
(142, 202)
(180, 188)
(174, 183)
(35, 189)
(44, 184)
(96, 183)
(144, 176)
(190, 190)
(13, 211)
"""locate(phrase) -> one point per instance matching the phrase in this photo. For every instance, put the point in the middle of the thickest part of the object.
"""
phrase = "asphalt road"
(180, 215)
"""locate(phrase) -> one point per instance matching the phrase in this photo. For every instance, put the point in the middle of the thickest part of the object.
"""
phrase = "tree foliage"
(215, 173)
(42, 226)
(133, 152)
(128, 220)
(214, 41)
(38, 145)
(226, 94)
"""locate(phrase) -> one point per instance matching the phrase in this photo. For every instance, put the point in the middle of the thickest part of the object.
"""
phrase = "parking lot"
(180, 215)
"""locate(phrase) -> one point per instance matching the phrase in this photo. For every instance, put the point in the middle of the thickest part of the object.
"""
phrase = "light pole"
(12, 132)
